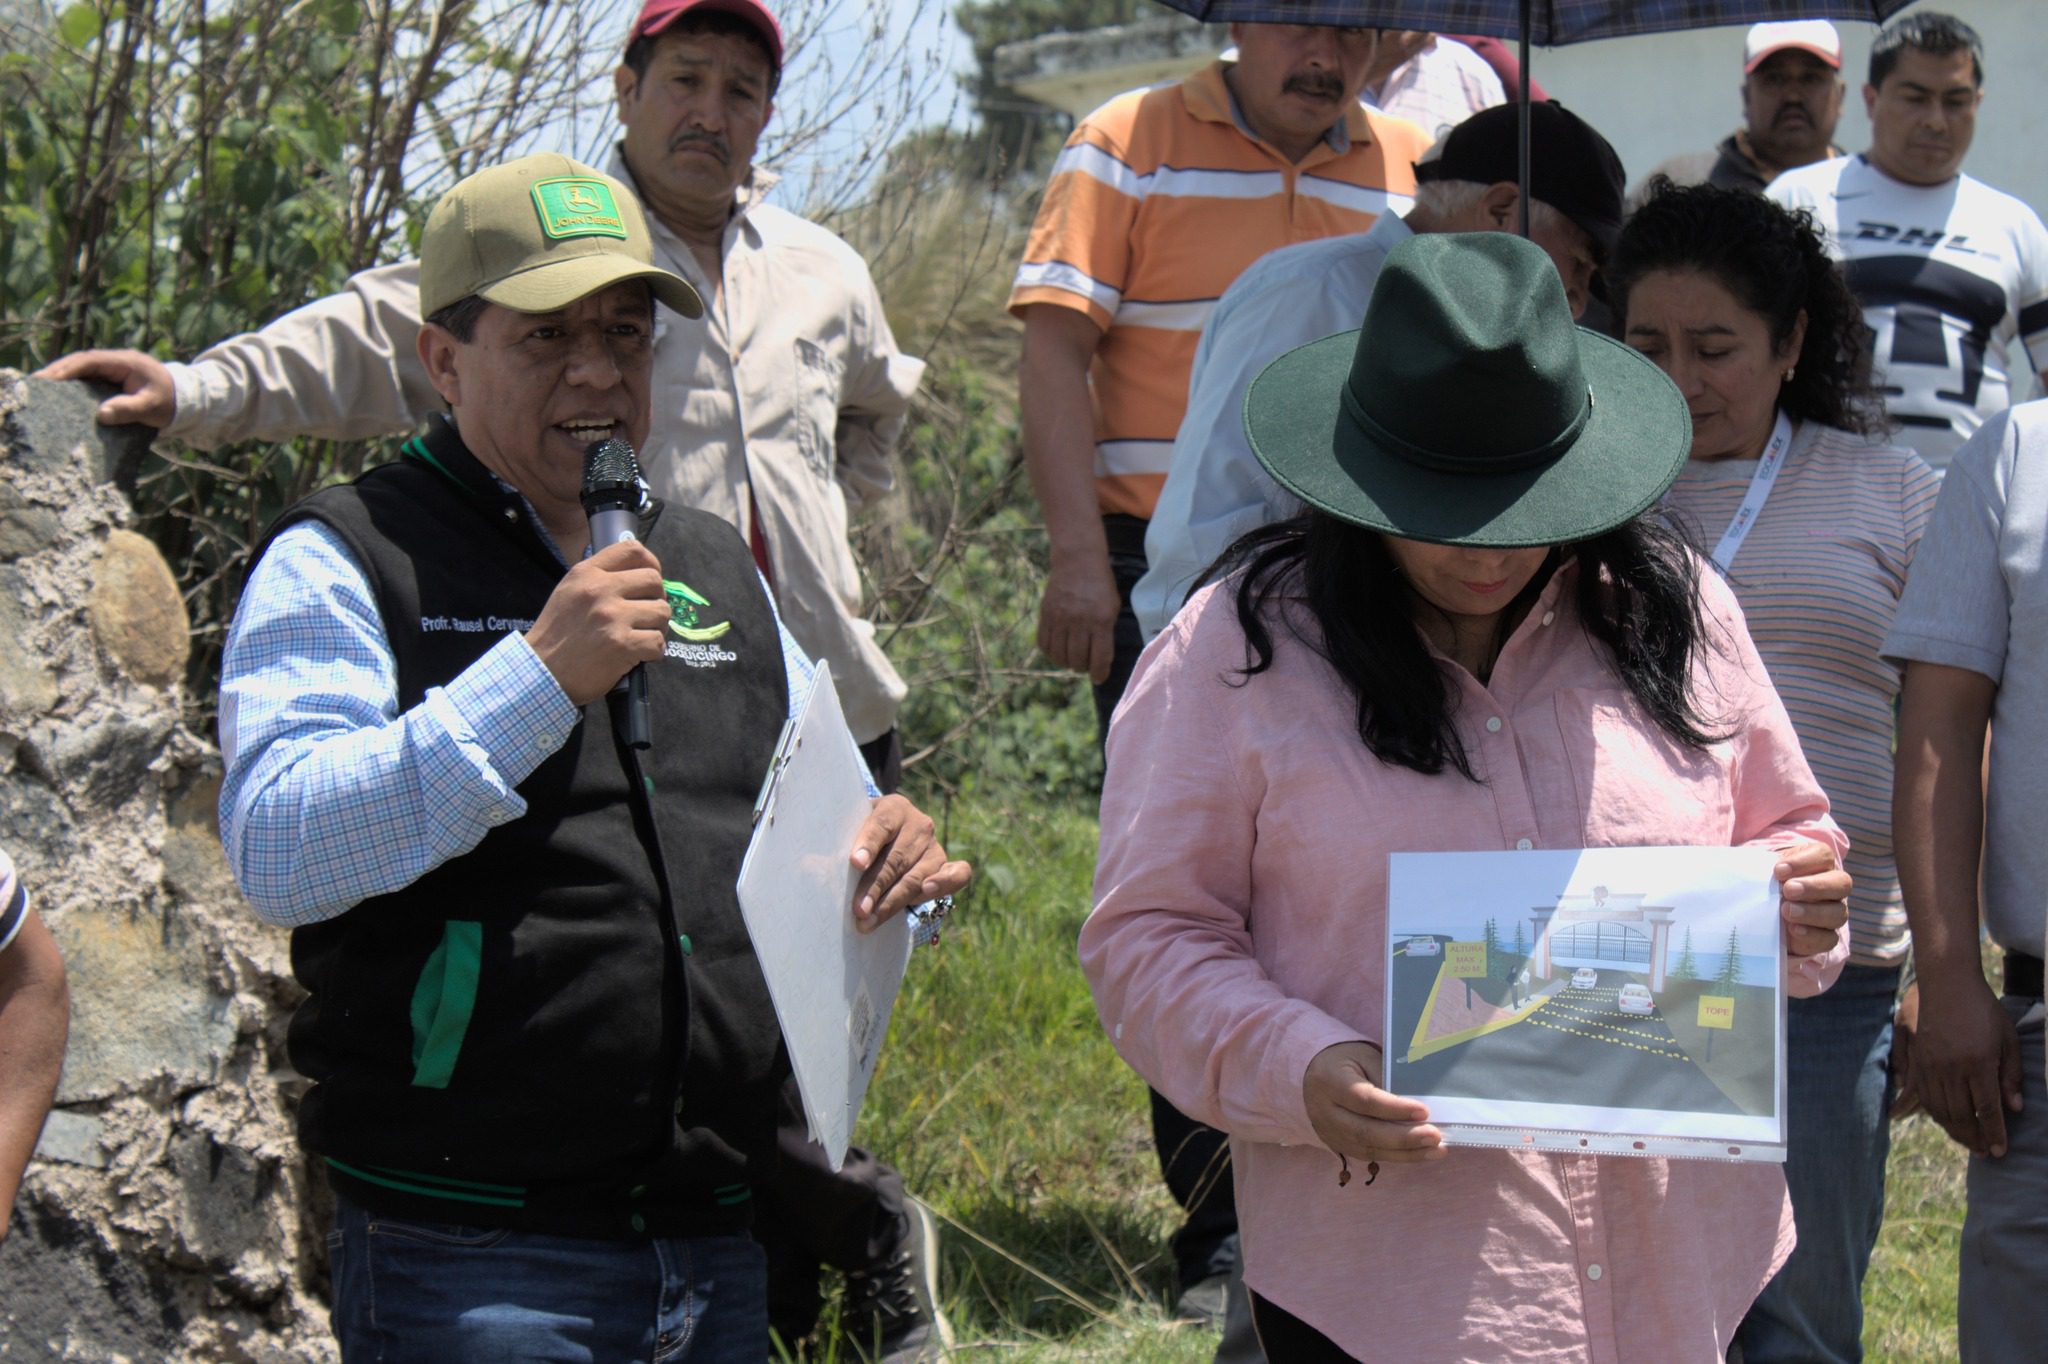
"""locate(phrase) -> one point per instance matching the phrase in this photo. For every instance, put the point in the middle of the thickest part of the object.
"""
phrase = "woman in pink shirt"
(1471, 641)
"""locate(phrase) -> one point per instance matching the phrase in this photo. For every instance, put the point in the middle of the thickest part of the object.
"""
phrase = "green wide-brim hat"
(1469, 409)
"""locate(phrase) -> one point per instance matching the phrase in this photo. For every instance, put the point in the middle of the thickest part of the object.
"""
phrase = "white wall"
(1666, 93)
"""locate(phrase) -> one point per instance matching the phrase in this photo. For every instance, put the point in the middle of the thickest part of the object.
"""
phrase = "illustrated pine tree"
(1730, 973)
(1687, 968)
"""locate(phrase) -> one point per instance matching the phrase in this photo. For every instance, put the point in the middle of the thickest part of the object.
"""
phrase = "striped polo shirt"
(1161, 197)
(1819, 578)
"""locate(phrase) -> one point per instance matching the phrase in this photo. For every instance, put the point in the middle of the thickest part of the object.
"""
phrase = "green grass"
(1909, 1297)
(1001, 1101)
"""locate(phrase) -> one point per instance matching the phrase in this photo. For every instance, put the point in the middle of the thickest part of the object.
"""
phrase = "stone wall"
(168, 1215)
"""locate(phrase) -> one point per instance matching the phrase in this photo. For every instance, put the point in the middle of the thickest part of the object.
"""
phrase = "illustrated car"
(1425, 947)
(1585, 978)
(1635, 999)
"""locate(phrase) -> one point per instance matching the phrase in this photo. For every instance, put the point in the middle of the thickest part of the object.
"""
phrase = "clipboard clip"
(785, 748)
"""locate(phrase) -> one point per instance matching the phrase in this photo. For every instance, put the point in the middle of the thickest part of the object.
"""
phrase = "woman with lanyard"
(1475, 639)
(1813, 520)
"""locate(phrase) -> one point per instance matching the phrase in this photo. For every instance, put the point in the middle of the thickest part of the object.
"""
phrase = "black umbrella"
(1552, 23)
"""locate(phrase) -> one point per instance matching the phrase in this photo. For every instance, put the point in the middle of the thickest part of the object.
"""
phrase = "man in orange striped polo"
(1157, 202)
(1160, 198)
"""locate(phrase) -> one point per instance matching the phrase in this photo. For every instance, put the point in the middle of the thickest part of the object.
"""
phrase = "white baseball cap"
(1817, 36)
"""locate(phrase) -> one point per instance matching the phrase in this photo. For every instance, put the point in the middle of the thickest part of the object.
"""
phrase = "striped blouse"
(1818, 578)
(1160, 199)
(13, 902)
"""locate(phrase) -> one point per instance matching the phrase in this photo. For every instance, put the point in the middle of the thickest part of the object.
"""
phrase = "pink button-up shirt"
(1240, 928)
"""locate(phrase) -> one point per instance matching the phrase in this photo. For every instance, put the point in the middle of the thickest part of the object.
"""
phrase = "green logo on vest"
(578, 208)
(682, 613)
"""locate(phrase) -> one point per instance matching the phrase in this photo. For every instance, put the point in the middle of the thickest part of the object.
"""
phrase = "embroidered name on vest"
(474, 625)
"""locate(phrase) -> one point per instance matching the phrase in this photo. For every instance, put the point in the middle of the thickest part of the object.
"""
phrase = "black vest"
(564, 1028)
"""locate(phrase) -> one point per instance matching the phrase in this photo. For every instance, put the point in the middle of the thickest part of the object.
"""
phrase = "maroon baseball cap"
(657, 15)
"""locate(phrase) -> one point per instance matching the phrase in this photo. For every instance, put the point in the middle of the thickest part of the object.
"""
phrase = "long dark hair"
(1775, 263)
(1637, 595)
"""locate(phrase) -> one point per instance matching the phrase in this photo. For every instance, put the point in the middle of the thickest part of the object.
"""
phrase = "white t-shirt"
(1948, 275)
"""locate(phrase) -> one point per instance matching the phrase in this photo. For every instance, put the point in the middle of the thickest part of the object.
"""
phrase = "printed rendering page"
(1612, 1000)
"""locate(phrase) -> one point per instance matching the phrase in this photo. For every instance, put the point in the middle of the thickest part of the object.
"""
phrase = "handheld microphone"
(613, 498)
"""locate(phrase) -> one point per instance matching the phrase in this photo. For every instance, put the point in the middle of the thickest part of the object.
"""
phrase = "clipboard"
(833, 988)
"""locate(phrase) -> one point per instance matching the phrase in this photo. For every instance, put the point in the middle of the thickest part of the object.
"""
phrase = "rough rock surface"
(168, 1215)
(137, 613)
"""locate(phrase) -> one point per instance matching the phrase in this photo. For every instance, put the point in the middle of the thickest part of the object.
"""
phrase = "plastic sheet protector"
(1613, 1001)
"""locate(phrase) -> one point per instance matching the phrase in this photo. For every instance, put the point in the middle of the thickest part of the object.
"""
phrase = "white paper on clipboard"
(833, 988)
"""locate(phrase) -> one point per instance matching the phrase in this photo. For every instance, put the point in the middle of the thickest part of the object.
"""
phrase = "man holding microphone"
(545, 1064)
(778, 412)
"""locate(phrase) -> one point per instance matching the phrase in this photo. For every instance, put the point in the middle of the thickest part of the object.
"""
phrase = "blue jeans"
(1838, 1086)
(442, 1293)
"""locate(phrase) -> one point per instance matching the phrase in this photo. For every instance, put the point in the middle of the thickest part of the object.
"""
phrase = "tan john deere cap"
(537, 234)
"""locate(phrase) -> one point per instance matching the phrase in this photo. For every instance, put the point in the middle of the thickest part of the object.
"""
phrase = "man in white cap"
(1791, 99)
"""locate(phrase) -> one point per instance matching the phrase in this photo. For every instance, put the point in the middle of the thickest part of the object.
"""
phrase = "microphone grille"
(610, 463)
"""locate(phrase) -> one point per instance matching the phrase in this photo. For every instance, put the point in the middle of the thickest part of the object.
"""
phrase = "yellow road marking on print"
(1665, 1052)
(1600, 1020)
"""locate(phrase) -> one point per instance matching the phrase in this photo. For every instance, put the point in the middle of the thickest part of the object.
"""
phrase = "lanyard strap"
(1760, 482)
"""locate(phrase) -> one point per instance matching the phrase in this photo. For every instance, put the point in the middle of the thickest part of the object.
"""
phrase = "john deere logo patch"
(682, 614)
(578, 208)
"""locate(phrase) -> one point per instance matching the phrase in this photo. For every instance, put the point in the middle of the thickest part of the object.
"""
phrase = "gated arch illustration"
(1601, 928)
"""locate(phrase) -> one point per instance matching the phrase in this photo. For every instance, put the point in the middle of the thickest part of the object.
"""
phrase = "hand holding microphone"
(609, 614)
(613, 498)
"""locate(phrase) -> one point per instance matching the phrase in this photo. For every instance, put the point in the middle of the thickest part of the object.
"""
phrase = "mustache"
(712, 142)
(1786, 111)
(1320, 84)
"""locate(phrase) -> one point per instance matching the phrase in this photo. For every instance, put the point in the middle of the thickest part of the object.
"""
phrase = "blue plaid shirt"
(331, 795)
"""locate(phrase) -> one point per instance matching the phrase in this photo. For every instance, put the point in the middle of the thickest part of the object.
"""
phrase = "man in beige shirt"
(777, 412)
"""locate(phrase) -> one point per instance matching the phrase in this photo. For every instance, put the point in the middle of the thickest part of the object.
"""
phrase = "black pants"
(1193, 1158)
(805, 1213)
(1127, 561)
(1287, 1337)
